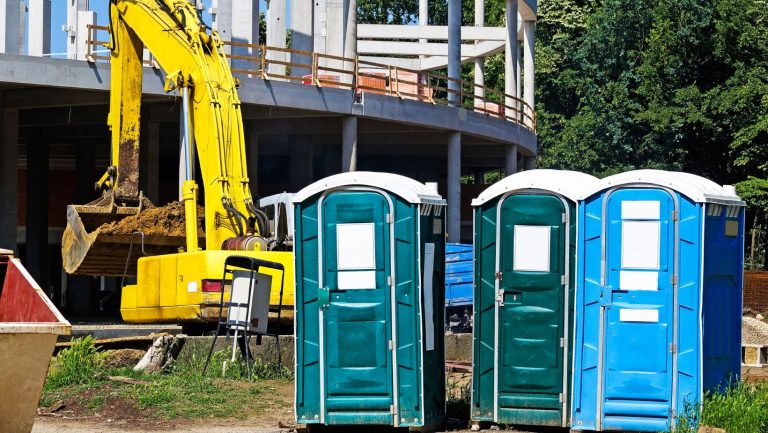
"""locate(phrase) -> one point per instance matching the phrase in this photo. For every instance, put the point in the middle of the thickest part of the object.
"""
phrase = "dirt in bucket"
(165, 220)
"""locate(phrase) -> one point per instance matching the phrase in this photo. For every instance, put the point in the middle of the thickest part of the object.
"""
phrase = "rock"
(707, 429)
(759, 317)
(754, 331)
(123, 357)
(161, 355)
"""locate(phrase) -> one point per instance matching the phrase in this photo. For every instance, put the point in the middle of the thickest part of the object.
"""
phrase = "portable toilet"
(658, 302)
(525, 238)
(370, 263)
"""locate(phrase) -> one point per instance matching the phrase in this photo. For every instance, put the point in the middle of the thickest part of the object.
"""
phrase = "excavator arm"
(193, 58)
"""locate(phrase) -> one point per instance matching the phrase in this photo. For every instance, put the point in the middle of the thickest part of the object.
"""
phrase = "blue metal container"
(458, 275)
(658, 298)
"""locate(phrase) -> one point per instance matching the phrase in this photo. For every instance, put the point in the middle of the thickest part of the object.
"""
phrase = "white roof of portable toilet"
(569, 184)
(697, 188)
(405, 187)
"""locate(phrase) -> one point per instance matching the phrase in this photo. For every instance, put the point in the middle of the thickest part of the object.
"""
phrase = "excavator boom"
(196, 68)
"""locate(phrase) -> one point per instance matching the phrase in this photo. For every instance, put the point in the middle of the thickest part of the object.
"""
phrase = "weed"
(79, 364)
(742, 408)
(458, 397)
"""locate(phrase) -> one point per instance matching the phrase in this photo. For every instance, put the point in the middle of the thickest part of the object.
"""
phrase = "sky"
(59, 18)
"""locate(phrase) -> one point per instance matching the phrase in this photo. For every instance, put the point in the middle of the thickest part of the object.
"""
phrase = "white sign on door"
(531, 249)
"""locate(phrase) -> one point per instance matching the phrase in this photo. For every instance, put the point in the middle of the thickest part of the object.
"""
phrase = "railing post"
(357, 72)
(389, 74)
(263, 61)
(315, 80)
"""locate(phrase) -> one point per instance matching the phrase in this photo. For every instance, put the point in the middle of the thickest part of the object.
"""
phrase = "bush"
(78, 364)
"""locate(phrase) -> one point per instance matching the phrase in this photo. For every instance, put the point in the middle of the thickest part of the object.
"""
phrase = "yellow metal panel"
(169, 276)
(167, 280)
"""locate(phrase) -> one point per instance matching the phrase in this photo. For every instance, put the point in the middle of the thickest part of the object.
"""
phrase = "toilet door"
(638, 304)
(355, 309)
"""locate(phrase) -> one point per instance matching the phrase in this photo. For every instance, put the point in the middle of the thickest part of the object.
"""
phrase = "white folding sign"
(531, 249)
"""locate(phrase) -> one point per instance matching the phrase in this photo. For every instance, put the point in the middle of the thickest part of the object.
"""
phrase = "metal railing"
(325, 70)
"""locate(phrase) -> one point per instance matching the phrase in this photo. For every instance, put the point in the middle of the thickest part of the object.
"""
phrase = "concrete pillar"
(36, 245)
(222, 16)
(302, 35)
(320, 26)
(39, 39)
(302, 161)
(152, 163)
(77, 32)
(341, 33)
(510, 159)
(349, 143)
(454, 50)
(10, 13)
(252, 155)
(529, 162)
(9, 161)
(423, 15)
(276, 35)
(453, 222)
(22, 35)
(511, 55)
(529, 67)
(479, 62)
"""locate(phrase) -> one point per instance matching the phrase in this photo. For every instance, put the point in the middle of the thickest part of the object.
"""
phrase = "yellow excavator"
(177, 280)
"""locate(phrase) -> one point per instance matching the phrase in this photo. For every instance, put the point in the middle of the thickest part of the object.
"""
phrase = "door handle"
(323, 297)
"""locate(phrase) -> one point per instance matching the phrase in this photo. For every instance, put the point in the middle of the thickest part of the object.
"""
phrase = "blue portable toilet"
(370, 263)
(658, 300)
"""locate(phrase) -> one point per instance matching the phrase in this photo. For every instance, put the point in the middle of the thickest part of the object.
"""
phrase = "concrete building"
(341, 96)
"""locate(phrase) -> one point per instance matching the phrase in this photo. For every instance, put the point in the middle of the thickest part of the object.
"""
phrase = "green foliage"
(79, 364)
(742, 408)
(79, 373)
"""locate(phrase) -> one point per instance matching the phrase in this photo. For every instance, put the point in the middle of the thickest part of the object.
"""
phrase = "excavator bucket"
(94, 243)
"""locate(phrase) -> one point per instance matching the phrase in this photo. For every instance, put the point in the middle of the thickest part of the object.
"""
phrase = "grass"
(458, 396)
(742, 408)
(78, 374)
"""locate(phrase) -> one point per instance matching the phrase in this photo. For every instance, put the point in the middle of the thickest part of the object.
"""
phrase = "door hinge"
(673, 280)
(390, 220)
(391, 345)
(500, 297)
(562, 342)
(674, 215)
(560, 397)
(562, 279)
(498, 276)
(564, 218)
(389, 280)
(673, 348)
(392, 409)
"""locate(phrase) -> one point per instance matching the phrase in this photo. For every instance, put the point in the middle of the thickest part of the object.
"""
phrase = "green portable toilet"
(525, 252)
(370, 260)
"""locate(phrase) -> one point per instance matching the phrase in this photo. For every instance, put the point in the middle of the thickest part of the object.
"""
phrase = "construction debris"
(754, 331)
(162, 354)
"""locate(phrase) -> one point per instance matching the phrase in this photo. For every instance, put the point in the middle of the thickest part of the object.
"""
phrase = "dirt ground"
(119, 415)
